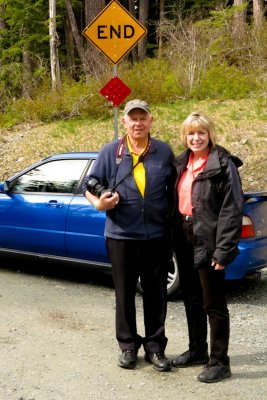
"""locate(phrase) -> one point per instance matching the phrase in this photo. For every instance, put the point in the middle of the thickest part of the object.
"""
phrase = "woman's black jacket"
(217, 207)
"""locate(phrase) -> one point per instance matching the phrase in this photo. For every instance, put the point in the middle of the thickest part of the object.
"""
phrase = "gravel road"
(57, 341)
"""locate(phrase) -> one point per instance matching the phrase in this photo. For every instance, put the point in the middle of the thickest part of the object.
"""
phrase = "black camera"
(95, 188)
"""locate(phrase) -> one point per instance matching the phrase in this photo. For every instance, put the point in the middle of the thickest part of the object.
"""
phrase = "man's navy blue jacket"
(135, 217)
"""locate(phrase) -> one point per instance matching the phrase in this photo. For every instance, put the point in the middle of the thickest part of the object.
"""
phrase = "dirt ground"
(57, 341)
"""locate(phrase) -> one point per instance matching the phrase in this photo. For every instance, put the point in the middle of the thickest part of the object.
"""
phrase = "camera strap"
(120, 154)
(121, 149)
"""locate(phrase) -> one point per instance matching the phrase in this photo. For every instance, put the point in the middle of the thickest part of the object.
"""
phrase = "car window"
(60, 176)
(90, 167)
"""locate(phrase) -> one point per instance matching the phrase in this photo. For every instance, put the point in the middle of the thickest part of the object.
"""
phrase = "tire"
(173, 280)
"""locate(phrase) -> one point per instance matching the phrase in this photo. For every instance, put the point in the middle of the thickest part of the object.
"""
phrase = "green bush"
(10, 83)
(225, 82)
(75, 99)
(152, 80)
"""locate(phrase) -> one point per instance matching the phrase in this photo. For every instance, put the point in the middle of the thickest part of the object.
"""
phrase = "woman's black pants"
(203, 292)
(147, 259)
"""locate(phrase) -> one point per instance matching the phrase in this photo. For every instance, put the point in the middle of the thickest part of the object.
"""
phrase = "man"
(136, 170)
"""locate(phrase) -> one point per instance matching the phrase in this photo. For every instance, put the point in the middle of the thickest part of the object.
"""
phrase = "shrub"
(225, 82)
(152, 80)
(75, 99)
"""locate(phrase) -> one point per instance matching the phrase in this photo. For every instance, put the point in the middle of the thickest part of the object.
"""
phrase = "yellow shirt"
(139, 171)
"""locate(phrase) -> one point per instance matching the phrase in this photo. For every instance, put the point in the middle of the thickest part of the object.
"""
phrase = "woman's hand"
(217, 267)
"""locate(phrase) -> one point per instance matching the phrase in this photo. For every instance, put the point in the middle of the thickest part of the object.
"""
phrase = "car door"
(33, 212)
(85, 231)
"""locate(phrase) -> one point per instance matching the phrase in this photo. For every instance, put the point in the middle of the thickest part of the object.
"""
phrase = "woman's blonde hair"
(197, 120)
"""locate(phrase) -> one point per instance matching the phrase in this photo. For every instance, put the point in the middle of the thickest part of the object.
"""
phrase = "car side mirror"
(4, 187)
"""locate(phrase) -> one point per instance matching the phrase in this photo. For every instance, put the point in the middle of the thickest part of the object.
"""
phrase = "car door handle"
(55, 204)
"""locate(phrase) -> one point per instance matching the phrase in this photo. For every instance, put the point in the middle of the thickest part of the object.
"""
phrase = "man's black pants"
(147, 259)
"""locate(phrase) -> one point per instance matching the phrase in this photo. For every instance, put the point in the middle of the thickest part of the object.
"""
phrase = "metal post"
(116, 129)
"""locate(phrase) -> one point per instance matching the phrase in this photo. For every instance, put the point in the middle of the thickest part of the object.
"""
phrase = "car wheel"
(173, 280)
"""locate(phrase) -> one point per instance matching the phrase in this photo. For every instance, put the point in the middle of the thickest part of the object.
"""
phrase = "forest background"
(198, 55)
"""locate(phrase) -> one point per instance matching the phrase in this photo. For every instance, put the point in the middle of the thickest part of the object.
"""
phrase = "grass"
(241, 128)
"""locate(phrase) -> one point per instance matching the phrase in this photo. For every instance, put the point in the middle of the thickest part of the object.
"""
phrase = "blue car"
(43, 213)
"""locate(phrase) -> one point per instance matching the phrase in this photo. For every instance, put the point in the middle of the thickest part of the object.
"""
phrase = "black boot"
(159, 360)
(128, 359)
(189, 358)
(214, 373)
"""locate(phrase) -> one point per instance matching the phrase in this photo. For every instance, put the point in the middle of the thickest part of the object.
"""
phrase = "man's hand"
(107, 201)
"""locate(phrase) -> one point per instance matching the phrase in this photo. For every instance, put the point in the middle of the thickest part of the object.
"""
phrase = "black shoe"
(214, 373)
(159, 360)
(190, 358)
(128, 359)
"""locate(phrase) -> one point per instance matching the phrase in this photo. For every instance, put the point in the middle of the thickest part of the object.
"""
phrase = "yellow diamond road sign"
(114, 31)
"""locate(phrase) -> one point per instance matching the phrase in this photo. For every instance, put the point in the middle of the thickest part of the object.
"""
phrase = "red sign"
(115, 91)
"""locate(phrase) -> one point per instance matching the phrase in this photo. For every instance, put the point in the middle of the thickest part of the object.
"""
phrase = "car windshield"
(60, 176)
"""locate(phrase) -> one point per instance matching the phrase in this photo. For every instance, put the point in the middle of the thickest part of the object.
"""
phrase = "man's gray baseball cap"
(136, 103)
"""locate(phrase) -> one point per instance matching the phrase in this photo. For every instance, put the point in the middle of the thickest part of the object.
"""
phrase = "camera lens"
(94, 187)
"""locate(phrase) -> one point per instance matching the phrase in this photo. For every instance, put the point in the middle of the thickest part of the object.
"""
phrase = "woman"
(207, 227)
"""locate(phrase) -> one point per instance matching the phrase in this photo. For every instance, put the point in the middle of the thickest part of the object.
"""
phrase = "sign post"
(115, 32)
(116, 111)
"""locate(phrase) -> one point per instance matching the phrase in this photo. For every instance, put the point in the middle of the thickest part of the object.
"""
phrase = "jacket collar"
(213, 165)
(152, 149)
(218, 157)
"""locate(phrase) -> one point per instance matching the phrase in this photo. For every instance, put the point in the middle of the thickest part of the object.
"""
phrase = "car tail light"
(247, 227)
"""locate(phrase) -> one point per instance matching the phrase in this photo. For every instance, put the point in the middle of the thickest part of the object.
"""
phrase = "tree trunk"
(161, 21)
(54, 42)
(239, 28)
(27, 71)
(134, 52)
(2, 24)
(143, 19)
(92, 9)
(258, 13)
(70, 47)
(77, 37)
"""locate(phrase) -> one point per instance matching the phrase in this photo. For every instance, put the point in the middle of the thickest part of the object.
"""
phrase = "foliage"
(151, 79)
(201, 59)
(75, 99)
(24, 47)
(207, 61)
(225, 82)
(26, 25)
